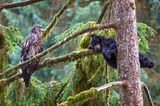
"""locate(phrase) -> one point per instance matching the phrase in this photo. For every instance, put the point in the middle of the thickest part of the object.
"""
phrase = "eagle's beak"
(42, 29)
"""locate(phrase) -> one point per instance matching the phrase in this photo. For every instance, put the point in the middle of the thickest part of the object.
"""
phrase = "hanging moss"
(85, 70)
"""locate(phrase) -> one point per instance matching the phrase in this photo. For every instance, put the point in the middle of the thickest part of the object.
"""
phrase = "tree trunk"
(128, 57)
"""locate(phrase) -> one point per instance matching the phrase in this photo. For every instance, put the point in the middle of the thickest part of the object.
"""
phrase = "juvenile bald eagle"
(31, 46)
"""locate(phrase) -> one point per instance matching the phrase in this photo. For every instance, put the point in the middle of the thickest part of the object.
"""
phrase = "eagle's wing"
(30, 48)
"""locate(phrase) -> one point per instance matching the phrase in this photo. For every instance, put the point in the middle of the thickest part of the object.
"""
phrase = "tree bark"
(128, 58)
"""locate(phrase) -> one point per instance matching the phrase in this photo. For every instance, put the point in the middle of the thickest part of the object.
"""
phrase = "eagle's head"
(37, 29)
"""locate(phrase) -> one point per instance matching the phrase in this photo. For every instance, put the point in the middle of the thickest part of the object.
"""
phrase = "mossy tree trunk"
(3, 62)
(128, 57)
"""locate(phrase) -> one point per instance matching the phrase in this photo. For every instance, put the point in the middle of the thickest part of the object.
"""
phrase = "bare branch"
(148, 94)
(74, 35)
(18, 4)
(111, 84)
(56, 18)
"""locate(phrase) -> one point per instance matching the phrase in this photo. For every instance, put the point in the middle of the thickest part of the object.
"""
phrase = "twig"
(103, 11)
(144, 86)
(111, 84)
(50, 61)
(18, 4)
(95, 75)
(74, 35)
(61, 90)
(56, 18)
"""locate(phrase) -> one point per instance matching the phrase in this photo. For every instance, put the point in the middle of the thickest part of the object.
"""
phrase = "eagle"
(31, 46)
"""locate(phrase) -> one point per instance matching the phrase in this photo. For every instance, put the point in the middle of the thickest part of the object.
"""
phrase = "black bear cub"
(107, 46)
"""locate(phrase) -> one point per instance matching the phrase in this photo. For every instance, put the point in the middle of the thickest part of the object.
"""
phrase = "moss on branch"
(68, 57)
(81, 97)
(91, 93)
(56, 18)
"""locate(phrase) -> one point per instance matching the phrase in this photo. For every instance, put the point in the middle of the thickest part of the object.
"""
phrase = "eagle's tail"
(26, 74)
(145, 62)
(28, 70)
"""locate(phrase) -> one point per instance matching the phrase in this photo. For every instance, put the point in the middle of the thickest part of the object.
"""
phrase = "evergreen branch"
(50, 61)
(144, 86)
(74, 35)
(17, 4)
(56, 18)
(91, 93)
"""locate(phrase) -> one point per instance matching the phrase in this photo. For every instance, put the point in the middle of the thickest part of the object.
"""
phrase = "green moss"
(85, 41)
(82, 96)
(10, 36)
(3, 61)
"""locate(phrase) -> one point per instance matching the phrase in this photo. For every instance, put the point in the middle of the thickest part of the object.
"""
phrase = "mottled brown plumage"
(31, 46)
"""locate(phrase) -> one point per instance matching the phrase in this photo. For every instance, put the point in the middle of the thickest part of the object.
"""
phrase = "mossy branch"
(144, 86)
(103, 11)
(4, 82)
(51, 61)
(68, 57)
(17, 4)
(74, 35)
(91, 93)
(56, 18)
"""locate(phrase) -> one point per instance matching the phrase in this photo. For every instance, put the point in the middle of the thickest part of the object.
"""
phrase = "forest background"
(73, 19)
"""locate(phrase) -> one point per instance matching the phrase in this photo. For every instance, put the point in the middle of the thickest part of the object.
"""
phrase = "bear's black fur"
(107, 46)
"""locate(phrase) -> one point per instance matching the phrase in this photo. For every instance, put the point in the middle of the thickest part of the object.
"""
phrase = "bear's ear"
(93, 35)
